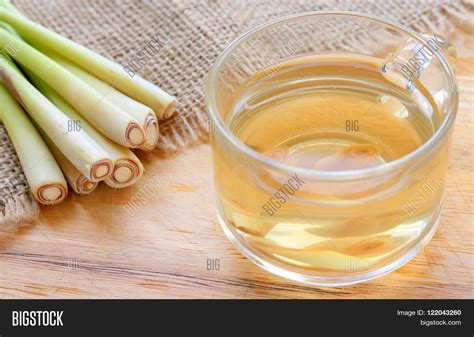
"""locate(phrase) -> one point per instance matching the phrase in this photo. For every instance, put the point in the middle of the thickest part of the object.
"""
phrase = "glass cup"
(330, 134)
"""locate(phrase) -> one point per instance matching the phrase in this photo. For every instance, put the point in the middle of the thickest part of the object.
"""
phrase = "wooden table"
(91, 247)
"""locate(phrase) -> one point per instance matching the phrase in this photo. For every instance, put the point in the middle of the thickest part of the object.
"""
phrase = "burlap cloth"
(192, 33)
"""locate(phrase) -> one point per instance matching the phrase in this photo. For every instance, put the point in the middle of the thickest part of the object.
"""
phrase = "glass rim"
(211, 104)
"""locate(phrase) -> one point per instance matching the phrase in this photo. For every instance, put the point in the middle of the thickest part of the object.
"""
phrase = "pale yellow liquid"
(330, 113)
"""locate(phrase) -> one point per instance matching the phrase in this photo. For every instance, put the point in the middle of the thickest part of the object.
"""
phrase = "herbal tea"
(332, 113)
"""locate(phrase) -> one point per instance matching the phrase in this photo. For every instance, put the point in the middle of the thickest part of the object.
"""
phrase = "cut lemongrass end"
(77, 146)
(93, 105)
(84, 185)
(169, 110)
(123, 174)
(77, 181)
(120, 156)
(100, 170)
(42, 172)
(143, 114)
(135, 135)
(51, 194)
(152, 132)
(126, 172)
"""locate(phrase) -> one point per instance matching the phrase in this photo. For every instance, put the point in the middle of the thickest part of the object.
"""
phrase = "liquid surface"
(330, 113)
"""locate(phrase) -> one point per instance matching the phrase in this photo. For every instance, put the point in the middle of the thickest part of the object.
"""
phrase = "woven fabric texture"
(192, 33)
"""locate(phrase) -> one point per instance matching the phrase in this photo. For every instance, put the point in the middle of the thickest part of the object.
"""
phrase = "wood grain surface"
(98, 247)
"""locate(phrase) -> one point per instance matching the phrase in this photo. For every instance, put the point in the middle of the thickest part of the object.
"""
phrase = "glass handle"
(413, 58)
(447, 48)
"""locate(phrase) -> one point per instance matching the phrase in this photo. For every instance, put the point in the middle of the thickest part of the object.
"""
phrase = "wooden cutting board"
(173, 247)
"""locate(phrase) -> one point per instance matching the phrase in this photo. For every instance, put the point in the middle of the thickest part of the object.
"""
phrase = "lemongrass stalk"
(78, 182)
(7, 4)
(132, 85)
(9, 29)
(103, 114)
(77, 146)
(43, 174)
(127, 167)
(143, 114)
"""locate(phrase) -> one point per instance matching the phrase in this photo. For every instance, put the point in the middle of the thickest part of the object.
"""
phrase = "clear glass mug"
(370, 105)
